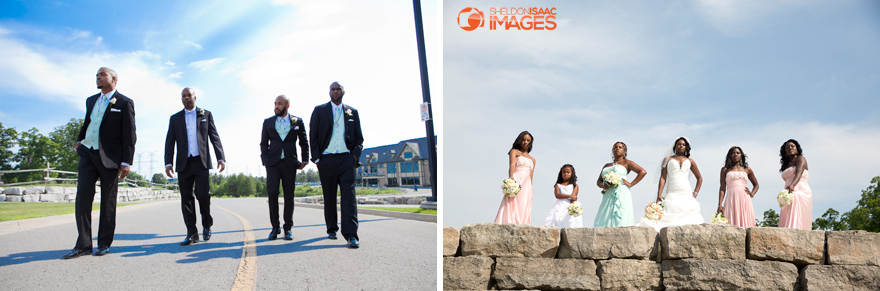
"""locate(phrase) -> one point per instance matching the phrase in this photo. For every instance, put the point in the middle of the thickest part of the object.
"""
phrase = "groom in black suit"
(105, 146)
(190, 129)
(337, 142)
(278, 153)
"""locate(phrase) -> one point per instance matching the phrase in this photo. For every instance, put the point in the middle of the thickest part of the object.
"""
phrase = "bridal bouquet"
(574, 209)
(719, 218)
(784, 198)
(654, 211)
(510, 187)
(612, 179)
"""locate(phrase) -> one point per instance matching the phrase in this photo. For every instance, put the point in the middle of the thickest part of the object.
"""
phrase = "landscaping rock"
(705, 241)
(509, 240)
(467, 273)
(840, 277)
(546, 274)
(624, 274)
(600, 243)
(802, 247)
(451, 237)
(723, 274)
(853, 247)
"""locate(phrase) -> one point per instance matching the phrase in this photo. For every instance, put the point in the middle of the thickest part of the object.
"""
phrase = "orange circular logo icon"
(473, 18)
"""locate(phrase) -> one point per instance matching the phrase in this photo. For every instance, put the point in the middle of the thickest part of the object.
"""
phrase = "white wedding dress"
(679, 205)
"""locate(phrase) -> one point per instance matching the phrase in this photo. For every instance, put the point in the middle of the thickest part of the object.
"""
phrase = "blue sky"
(238, 55)
(722, 73)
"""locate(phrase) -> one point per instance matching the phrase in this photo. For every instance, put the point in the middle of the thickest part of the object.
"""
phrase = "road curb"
(9, 227)
(395, 214)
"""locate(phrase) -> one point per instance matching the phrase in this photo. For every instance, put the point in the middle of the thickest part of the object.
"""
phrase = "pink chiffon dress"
(738, 204)
(518, 209)
(798, 214)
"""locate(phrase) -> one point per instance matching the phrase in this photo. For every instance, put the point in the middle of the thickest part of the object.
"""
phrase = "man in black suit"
(105, 146)
(190, 129)
(337, 142)
(278, 153)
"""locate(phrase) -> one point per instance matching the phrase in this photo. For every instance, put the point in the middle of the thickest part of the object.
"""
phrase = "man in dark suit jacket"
(337, 142)
(190, 129)
(278, 153)
(105, 146)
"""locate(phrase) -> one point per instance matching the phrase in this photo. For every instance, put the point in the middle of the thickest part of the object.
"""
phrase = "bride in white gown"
(680, 205)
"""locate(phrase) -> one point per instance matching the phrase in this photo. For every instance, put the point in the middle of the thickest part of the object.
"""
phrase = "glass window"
(407, 155)
(392, 168)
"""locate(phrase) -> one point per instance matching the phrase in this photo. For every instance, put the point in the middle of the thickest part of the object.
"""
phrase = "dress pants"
(282, 173)
(338, 170)
(90, 170)
(194, 173)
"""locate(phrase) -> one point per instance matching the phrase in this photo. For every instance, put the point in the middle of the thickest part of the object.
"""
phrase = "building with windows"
(404, 164)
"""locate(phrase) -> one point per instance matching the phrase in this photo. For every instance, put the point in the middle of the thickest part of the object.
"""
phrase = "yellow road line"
(245, 279)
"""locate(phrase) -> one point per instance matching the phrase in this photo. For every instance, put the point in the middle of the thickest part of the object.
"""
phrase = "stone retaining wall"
(68, 194)
(690, 257)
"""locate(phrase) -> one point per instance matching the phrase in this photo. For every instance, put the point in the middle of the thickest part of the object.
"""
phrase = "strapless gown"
(679, 205)
(558, 215)
(518, 209)
(738, 204)
(798, 214)
(616, 208)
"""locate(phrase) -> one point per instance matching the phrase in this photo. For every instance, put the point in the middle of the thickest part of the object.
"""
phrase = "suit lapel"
(274, 129)
(181, 127)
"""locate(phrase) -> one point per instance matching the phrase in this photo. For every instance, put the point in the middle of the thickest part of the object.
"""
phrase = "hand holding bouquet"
(784, 198)
(719, 218)
(611, 179)
(510, 187)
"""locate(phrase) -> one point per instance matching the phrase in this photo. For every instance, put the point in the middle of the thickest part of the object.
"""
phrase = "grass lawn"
(407, 209)
(23, 210)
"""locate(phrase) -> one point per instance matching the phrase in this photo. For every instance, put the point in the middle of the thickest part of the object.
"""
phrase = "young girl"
(566, 191)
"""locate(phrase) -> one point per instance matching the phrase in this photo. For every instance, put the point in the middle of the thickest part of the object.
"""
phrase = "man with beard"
(337, 143)
(190, 129)
(105, 146)
(278, 153)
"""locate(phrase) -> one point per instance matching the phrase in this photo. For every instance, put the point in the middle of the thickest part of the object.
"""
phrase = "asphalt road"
(395, 253)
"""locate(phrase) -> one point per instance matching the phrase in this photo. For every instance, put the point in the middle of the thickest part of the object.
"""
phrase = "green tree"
(8, 138)
(33, 153)
(866, 215)
(64, 138)
(831, 220)
(771, 219)
(159, 179)
(239, 185)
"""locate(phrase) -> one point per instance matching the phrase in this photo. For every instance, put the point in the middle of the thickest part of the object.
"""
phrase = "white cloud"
(739, 17)
(198, 47)
(176, 75)
(206, 64)
(169, 63)
(99, 40)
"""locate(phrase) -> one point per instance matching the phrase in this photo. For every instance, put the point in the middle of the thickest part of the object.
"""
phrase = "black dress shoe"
(353, 243)
(331, 235)
(102, 250)
(207, 234)
(75, 253)
(275, 232)
(287, 235)
(190, 239)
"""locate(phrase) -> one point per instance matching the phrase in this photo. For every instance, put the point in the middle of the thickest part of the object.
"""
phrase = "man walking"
(105, 146)
(337, 142)
(278, 153)
(191, 129)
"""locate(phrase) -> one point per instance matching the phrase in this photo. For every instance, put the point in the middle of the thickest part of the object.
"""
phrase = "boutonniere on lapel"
(201, 112)
(348, 112)
(113, 101)
(292, 120)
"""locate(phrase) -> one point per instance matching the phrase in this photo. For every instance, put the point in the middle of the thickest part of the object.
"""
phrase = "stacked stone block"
(690, 257)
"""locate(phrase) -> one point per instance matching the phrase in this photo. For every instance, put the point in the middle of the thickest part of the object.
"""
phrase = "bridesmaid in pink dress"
(518, 209)
(799, 214)
(735, 177)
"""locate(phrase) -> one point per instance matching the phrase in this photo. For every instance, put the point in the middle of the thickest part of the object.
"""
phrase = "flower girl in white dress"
(566, 191)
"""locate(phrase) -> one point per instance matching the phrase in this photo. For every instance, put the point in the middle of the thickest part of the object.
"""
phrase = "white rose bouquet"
(719, 218)
(784, 198)
(611, 179)
(510, 187)
(574, 209)
(654, 211)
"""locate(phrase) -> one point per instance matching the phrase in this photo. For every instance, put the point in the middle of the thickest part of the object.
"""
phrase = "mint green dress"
(616, 208)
